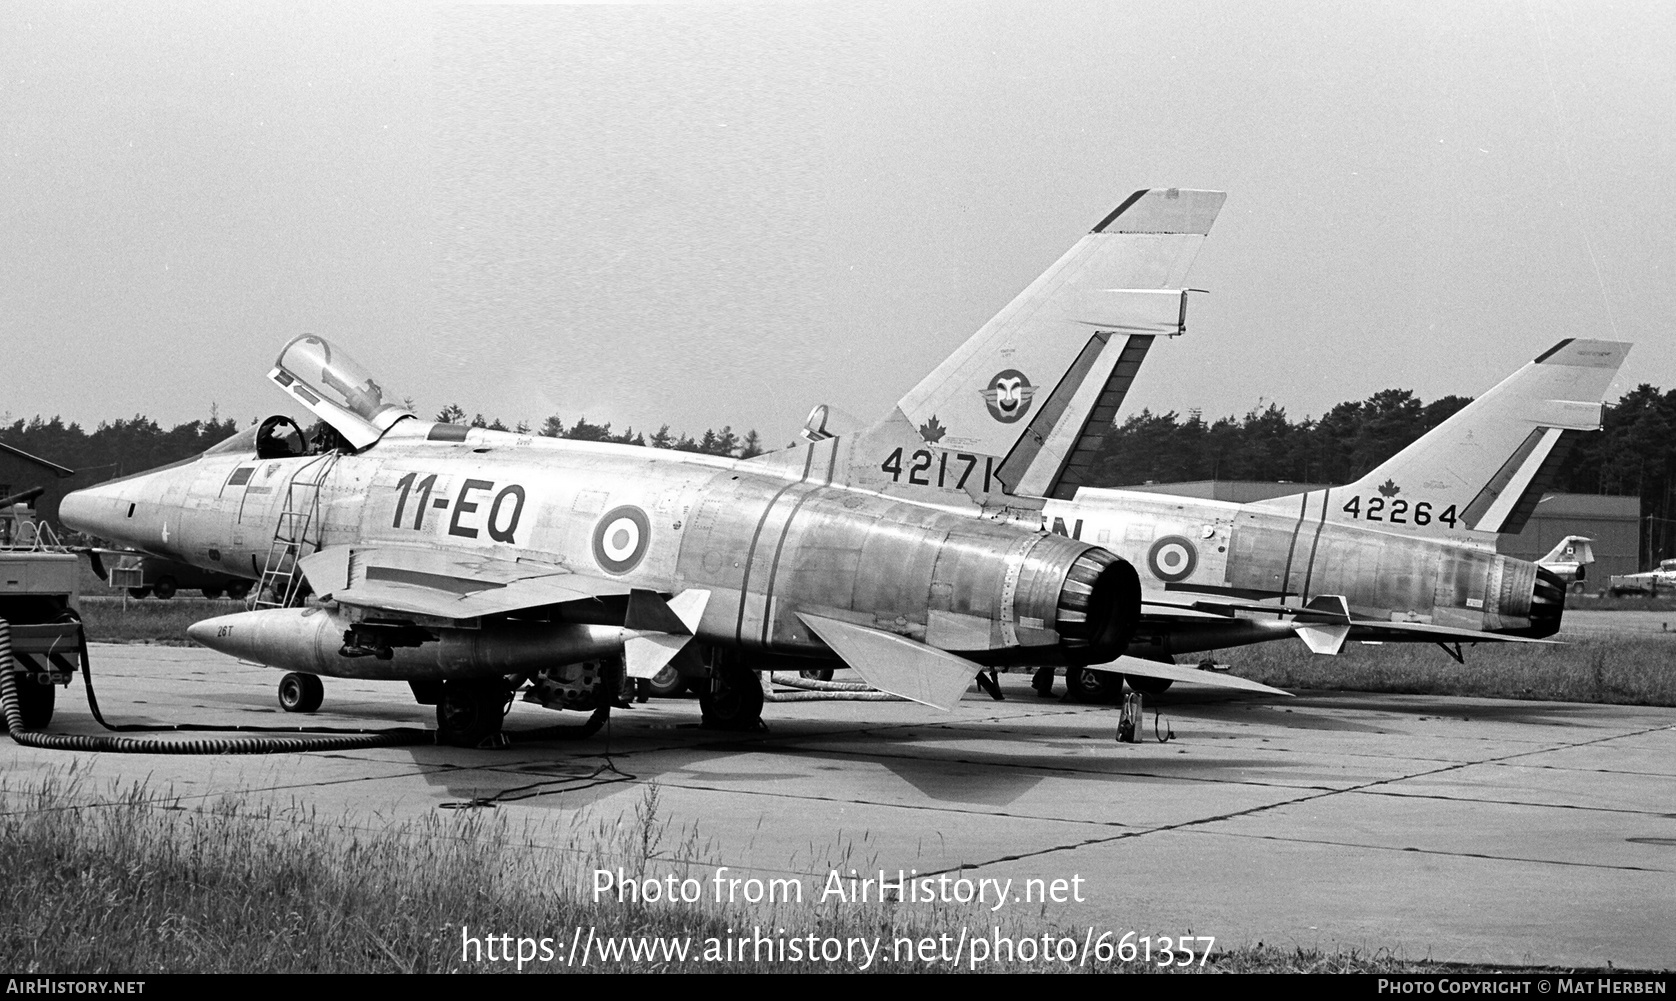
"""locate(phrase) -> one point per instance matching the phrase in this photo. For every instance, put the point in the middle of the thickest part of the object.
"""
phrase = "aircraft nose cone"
(93, 510)
(198, 632)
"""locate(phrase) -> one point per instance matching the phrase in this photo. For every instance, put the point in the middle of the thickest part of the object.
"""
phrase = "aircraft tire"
(240, 591)
(1083, 685)
(1148, 686)
(816, 673)
(667, 683)
(301, 693)
(34, 701)
(470, 711)
(139, 592)
(737, 706)
(164, 587)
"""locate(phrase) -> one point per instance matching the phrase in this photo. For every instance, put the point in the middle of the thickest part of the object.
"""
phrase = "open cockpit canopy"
(325, 379)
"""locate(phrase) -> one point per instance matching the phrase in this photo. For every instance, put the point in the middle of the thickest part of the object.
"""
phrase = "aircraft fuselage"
(766, 543)
(1185, 548)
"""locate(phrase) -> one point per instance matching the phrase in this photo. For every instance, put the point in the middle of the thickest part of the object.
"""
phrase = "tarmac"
(1461, 830)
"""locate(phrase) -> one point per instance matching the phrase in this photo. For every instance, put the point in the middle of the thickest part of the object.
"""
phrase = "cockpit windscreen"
(324, 378)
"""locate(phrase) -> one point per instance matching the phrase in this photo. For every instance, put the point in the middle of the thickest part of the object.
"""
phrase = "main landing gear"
(1085, 685)
(731, 699)
(1148, 686)
(470, 711)
(1082, 685)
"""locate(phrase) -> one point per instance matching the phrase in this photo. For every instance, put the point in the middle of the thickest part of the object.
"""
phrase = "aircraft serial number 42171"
(917, 551)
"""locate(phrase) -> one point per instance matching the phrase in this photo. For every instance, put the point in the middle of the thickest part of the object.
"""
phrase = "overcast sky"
(708, 215)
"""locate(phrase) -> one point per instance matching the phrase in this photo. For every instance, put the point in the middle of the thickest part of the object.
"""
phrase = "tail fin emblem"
(1009, 395)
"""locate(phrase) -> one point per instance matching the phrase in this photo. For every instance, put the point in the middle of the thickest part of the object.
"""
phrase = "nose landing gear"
(301, 693)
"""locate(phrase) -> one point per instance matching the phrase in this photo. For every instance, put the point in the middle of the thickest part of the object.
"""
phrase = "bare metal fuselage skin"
(1186, 548)
(765, 542)
(771, 539)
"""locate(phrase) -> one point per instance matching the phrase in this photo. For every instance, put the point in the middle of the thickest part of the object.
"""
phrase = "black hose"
(295, 739)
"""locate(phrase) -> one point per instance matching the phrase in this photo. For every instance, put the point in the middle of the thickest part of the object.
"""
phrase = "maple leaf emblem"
(1389, 488)
(931, 431)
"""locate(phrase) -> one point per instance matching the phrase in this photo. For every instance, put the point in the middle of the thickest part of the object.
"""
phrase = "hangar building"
(20, 471)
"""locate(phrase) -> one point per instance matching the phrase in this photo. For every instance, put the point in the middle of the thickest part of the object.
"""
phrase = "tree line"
(711, 442)
(132, 445)
(1635, 453)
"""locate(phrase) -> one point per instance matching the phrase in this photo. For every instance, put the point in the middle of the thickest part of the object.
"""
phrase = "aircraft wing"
(444, 584)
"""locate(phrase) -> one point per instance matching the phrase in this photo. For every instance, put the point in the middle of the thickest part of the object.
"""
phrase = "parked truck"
(146, 576)
(40, 583)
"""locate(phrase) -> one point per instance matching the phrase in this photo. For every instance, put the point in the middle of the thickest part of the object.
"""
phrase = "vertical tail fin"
(1021, 399)
(1486, 467)
(1571, 550)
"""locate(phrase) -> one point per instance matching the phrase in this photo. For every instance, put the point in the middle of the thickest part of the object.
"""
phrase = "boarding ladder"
(281, 580)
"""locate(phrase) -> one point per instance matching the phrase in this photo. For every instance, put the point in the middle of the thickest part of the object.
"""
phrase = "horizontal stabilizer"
(1175, 672)
(897, 664)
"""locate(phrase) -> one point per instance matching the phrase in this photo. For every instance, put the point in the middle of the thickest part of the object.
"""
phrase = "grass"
(1615, 670)
(149, 620)
(1607, 603)
(1611, 670)
(130, 881)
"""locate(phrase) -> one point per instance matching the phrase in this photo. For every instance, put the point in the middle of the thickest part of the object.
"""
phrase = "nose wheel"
(301, 693)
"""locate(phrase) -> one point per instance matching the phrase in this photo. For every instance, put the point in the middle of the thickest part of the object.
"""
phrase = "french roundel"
(1172, 558)
(621, 539)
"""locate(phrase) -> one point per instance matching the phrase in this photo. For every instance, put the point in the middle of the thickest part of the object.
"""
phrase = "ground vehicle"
(144, 576)
(39, 584)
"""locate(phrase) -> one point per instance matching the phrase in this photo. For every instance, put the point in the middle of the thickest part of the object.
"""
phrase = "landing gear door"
(334, 386)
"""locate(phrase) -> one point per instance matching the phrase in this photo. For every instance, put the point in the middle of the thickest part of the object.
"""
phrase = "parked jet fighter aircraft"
(458, 558)
(1405, 554)
(913, 550)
